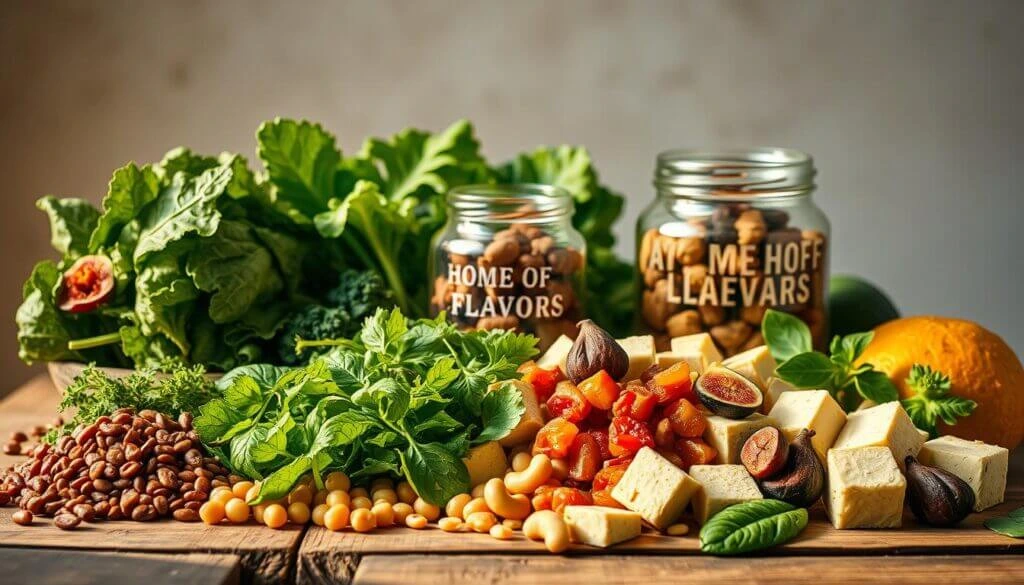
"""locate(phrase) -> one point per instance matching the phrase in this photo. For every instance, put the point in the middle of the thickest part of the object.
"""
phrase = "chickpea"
(337, 517)
(475, 505)
(320, 497)
(481, 521)
(381, 483)
(362, 503)
(406, 493)
(450, 524)
(677, 530)
(456, 504)
(521, 461)
(338, 497)
(384, 514)
(257, 513)
(512, 524)
(358, 492)
(402, 511)
(416, 521)
(363, 520)
(427, 509)
(242, 488)
(500, 532)
(318, 514)
(298, 513)
(236, 510)
(222, 494)
(212, 512)
(301, 493)
(385, 495)
(337, 480)
(275, 516)
(477, 491)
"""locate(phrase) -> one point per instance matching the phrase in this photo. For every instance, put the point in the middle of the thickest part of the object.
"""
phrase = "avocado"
(856, 305)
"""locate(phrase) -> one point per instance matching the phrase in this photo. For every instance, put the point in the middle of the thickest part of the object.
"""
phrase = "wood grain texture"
(643, 570)
(49, 567)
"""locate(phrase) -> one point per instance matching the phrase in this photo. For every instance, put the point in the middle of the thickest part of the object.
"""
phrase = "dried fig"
(802, 480)
(936, 496)
(765, 452)
(595, 350)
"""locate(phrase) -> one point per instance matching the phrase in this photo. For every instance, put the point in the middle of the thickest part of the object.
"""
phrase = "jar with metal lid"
(730, 234)
(509, 258)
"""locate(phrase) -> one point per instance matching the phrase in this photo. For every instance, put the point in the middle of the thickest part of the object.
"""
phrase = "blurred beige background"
(912, 109)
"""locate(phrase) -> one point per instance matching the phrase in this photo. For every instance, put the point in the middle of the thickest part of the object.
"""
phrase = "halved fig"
(87, 284)
(764, 453)
(802, 480)
(727, 393)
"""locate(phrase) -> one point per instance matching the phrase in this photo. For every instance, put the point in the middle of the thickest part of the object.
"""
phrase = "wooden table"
(152, 552)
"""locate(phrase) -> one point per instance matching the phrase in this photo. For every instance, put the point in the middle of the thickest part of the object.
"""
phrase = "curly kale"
(357, 296)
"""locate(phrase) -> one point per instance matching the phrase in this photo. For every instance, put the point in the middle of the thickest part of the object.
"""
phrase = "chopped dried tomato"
(604, 498)
(685, 419)
(555, 438)
(584, 457)
(601, 437)
(567, 496)
(673, 383)
(543, 380)
(600, 389)
(608, 477)
(695, 452)
(626, 436)
(636, 402)
(568, 402)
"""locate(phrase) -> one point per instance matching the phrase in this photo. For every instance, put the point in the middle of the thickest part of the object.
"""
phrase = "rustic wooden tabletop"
(171, 552)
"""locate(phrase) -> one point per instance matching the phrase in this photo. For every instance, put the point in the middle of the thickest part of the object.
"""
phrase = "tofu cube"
(982, 466)
(727, 435)
(699, 351)
(885, 425)
(531, 421)
(809, 409)
(654, 488)
(556, 355)
(485, 461)
(864, 488)
(721, 487)
(640, 349)
(599, 526)
(756, 364)
(776, 386)
(667, 359)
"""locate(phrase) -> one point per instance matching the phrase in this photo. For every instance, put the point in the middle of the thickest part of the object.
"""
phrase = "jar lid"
(735, 174)
(521, 202)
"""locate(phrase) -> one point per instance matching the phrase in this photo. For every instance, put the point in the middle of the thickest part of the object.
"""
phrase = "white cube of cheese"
(556, 355)
(667, 359)
(485, 461)
(885, 425)
(699, 351)
(654, 488)
(599, 526)
(809, 409)
(532, 419)
(756, 364)
(776, 386)
(727, 435)
(640, 349)
(982, 466)
(721, 487)
(864, 488)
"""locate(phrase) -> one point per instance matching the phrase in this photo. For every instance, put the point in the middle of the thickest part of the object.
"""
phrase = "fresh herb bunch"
(933, 401)
(405, 398)
(93, 394)
(789, 340)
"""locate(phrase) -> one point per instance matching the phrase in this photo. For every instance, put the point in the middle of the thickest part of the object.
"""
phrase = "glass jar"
(730, 234)
(509, 258)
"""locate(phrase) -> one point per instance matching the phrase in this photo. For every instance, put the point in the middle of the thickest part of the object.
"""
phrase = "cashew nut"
(521, 461)
(547, 526)
(475, 505)
(503, 503)
(456, 504)
(529, 479)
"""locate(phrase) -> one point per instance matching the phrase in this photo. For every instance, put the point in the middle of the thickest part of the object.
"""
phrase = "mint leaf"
(434, 473)
(809, 370)
(785, 335)
(501, 410)
(933, 401)
(876, 386)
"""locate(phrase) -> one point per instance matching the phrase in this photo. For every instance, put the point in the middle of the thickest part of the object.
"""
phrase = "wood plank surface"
(266, 556)
(515, 570)
(50, 567)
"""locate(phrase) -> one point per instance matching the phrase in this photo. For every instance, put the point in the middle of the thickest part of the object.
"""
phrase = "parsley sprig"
(933, 400)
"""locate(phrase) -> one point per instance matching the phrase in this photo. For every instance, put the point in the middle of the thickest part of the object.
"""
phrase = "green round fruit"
(856, 305)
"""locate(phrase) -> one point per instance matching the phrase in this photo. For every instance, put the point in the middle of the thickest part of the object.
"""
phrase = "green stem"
(91, 342)
(387, 266)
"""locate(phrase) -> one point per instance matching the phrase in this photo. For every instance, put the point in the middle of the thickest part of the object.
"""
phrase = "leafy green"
(71, 222)
(187, 206)
(789, 340)
(752, 526)
(402, 397)
(131, 189)
(1011, 525)
(933, 400)
(43, 331)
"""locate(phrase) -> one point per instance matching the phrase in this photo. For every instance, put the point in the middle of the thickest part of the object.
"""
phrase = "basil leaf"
(277, 484)
(876, 386)
(434, 473)
(785, 335)
(1011, 525)
(854, 344)
(808, 370)
(751, 526)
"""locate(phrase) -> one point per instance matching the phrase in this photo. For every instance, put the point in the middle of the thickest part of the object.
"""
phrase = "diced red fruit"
(568, 402)
(604, 498)
(543, 380)
(600, 389)
(608, 477)
(601, 438)
(597, 419)
(673, 383)
(569, 496)
(695, 452)
(542, 497)
(626, 436)
(636, 402)
(664, 436)
(614, 461)
(555, 438)
(685, 419)
(648, 374)
(584, 458)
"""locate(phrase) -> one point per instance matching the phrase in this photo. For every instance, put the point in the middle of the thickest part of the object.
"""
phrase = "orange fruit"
(978, 362)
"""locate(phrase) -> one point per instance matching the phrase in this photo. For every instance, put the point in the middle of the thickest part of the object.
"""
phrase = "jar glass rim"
(524, 202)
(735, 174)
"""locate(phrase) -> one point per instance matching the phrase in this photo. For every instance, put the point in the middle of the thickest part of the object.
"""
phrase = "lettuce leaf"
(71, 223)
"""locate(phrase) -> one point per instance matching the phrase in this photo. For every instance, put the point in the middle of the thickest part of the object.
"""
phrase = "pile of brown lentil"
(125, 466)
